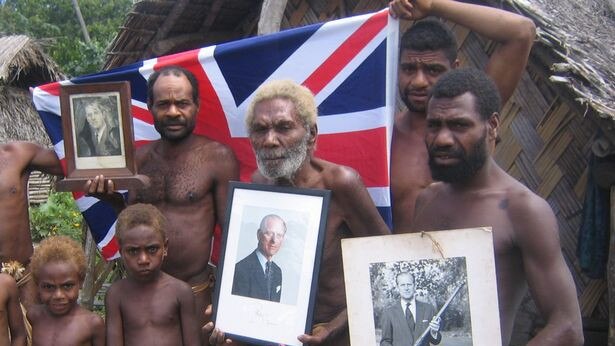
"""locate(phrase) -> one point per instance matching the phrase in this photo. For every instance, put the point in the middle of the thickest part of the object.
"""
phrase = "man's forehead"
(464, 104)
(410, 56)
(170, 82)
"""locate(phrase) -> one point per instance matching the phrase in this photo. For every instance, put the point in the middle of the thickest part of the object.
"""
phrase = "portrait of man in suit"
(257, 275)
(99, 134)
(404, 321)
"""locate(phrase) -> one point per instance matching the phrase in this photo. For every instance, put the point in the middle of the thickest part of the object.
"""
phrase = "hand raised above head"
(410, 9)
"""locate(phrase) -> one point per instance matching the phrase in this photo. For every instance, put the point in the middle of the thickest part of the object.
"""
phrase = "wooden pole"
(610, 272)
(270, 19)
(84, 29)
(88, 293)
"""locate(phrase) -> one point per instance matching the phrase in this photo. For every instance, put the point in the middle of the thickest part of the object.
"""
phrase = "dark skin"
(149, 307)
(17, 160)
(189, 177)
(60, 321)
(525, 231)
(352, 213)
(419, 71)
(12, 329)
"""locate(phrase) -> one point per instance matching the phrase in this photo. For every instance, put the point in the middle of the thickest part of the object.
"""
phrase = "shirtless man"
(281, 122)
(428, 50)
(189, 177)
(17, 160)
(462, 124)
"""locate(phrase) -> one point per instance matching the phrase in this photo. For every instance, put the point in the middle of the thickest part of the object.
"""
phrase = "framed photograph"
(98, 134)
(269, 264)
(397, 284)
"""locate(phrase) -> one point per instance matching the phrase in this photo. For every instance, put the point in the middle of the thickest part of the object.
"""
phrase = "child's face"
(143, 250)
(58, 287)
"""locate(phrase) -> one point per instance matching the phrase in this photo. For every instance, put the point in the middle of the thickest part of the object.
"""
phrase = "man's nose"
(443, 138)
(271, 139)
(143, 258)
(420, 79)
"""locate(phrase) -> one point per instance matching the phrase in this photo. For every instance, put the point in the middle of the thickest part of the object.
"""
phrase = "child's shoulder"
(175, 284)
(90, 317)
(35, 312)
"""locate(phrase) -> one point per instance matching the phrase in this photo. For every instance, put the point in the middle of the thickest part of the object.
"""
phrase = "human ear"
(493, 125)
(313, 134)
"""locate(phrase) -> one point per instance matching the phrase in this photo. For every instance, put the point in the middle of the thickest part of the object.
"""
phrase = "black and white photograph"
(421, 303)
(269, 262)
(422, 289)
(97, 125)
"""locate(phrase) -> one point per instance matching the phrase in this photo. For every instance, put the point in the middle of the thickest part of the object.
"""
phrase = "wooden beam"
(610, 273)
(214, 10)
(270, 19)
(164, 29)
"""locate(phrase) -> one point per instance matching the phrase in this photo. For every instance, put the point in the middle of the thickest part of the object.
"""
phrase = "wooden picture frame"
(98, 135)
(243, 308)
(454, 277)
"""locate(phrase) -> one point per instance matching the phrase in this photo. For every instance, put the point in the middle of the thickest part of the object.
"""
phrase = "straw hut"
(563, 106)
(23, 64)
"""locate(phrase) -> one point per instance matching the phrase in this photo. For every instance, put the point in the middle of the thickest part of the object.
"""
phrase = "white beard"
(293, 158)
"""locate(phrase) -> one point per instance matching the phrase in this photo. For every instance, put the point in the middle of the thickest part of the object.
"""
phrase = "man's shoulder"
(336, 176)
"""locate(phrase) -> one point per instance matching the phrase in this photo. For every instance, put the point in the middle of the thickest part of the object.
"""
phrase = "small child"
(12, 328)
(58, 268)
(149, 307)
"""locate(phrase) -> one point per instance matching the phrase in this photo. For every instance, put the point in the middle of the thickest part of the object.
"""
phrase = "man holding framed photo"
(462, 127)
(281, 123)
(257, 275)
(189, 177)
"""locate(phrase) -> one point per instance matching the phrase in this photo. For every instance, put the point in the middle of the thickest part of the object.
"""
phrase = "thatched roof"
(575, 40)
(580, 40)
(154, 28)
(24, 64)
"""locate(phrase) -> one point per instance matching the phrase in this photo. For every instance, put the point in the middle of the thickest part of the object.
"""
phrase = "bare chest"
(178, 182)
(469, 212)
(139, 312)
(62, 332)
(409, 163)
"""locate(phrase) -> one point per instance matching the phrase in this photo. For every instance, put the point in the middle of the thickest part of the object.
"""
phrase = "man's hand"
(320, 333)
(99, 187)
(434, 327)
(410, 9)
(214, 335)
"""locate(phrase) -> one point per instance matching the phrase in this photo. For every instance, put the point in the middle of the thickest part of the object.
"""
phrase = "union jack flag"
(349, 65)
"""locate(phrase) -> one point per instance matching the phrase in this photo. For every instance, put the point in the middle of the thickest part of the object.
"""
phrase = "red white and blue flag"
(349, 65)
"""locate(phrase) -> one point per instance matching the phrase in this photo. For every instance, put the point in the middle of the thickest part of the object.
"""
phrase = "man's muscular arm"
(227, 169)
(514, 33)
(359, 210)
(548, 276)
(362, 219)
(40, 158)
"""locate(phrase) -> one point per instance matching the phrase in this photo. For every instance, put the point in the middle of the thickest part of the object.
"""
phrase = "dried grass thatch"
(23, 64)
(580, 37)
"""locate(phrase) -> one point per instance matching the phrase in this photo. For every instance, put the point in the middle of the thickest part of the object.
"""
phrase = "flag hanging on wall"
(349, 64)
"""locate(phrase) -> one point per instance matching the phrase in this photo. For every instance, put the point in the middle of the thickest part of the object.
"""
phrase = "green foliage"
(58, 216)
(56, 21)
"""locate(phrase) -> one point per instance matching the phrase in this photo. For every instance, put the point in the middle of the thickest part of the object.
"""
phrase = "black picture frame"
(258, 320)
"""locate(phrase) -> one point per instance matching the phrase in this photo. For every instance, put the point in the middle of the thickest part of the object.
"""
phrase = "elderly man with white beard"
(281, 122)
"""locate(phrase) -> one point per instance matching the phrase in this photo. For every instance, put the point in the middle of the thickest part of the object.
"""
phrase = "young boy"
(12, 329)
(149, 307)
(58, 268)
